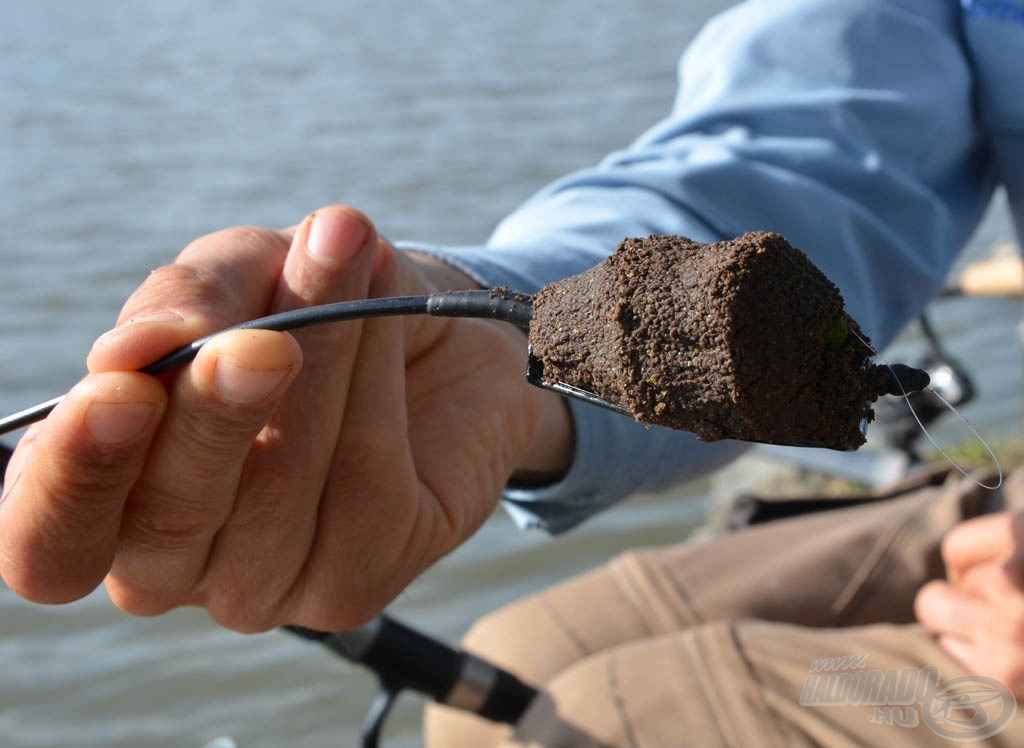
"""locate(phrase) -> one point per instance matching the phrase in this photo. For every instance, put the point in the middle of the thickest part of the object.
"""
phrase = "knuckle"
(78, 495)
(157, 532)
(239, 602)
(178, 273)
(198, 440)
(142, 601)
(203, 445)
(256, 237)
(182, 284)
(249, 593)
(330, 602)
(244, 619)
(341, 617)
(344, 608)
(168, 524)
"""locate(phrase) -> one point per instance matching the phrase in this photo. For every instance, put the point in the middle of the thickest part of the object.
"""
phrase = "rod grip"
(404, 658)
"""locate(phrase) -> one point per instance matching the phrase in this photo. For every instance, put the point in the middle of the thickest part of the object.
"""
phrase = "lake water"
(126, 129)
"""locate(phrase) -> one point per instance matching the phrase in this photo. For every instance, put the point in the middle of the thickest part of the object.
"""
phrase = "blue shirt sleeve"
(845, 125)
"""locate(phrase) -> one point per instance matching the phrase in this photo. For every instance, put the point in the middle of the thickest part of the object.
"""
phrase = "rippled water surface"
(127, 129)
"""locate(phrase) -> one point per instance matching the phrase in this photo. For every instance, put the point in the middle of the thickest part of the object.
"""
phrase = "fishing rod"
(405, 659)
(496, 303)
(402, 658)
(499, 304)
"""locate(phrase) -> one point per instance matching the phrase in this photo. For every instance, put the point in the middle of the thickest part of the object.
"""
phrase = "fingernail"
(336, 235)
(241, 385)
(118, 423)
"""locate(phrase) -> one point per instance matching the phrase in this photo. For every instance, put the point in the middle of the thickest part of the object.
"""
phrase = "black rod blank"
(498, 304)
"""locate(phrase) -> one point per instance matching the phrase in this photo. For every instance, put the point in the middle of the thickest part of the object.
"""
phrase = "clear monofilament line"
(952, 409)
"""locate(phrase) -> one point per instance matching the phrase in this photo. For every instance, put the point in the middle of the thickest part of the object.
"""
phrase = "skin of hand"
(977, 613)
(300, 478)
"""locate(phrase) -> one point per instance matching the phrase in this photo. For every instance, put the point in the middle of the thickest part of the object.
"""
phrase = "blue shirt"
(870, 133)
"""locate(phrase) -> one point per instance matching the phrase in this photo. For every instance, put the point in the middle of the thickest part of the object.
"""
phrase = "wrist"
(549, 453)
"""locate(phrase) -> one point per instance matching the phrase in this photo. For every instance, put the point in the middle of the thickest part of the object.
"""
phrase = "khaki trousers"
(753, 639)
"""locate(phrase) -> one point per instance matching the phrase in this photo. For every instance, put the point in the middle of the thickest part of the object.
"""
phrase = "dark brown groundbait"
(744, 339)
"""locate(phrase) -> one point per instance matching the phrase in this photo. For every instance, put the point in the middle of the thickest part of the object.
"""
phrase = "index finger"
(217, 281)
(60, 516)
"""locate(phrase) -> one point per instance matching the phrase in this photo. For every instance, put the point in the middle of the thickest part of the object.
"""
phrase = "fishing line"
(952, 409)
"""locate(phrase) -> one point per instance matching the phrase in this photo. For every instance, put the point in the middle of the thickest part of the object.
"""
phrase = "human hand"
(280, 478)
(977, 615)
